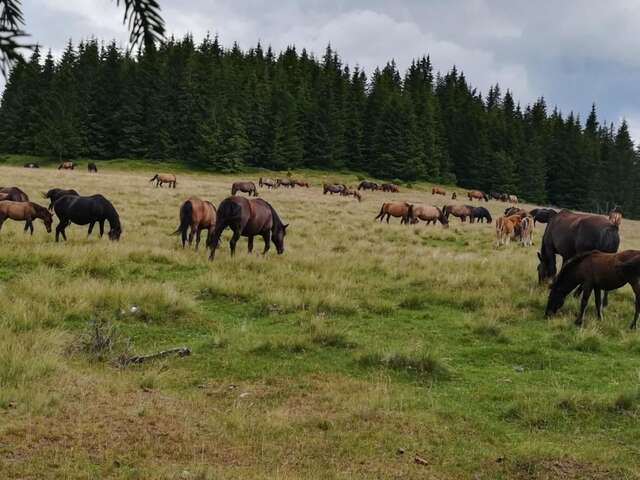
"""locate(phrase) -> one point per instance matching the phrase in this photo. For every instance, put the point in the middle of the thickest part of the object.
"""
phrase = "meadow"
(363, 346)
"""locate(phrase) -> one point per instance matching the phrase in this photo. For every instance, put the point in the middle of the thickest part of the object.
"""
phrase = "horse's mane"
(39, 208)
(570, 266)
(274, 215)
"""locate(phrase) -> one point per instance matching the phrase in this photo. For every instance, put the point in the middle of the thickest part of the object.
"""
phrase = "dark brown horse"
(332, 188)
(542, 215)
(301, 183)
(92, 168)
(248, 218)
(390, 187)
(596, 271)
(25, 212)
(55, 193)
(461, 211)
(402, 210)
(480, 214)
(14, 194)
(197, 215)
(162, 178)
(245, 187)
(66, 166)
(366, 185)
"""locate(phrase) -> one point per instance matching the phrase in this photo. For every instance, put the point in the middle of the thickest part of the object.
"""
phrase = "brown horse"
(390, 187)
(438, 191)
(596, 271)
(461, 211)
(248, 218)
(66, 166)
(267, 182)
(92, 168)
(301, 183)
(526, 231)
(14, 194)
(367, 185)
(286, 183)
(162, 178)
(349, 192)
(429, 214)
(198, 215)
(477, 195)
(507, 228)
(333, 188)
(25, 212)
(402, 210)
(245, 187)
(515, 211)
(454, 195)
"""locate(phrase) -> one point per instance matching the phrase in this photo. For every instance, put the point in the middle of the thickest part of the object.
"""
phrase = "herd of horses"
(587, 243)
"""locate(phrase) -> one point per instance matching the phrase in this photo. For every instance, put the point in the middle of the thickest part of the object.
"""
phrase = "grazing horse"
(512, 198)
(31, 165)
(454, 195)
(351, 192)
(245, 187)
(287, 182)
(26, 212)
(55, 193)
(267, 182)
(477, 195)
(14, 194)
(495, 195)
(480, 214)
(461, 211)
(301, 183)
(596, 271)
(403, 210)
(332, 188)
(507, 228)
(568, 234)
(248, 218)
(92, 168)
(66, 166)
(162, 178)
(366, 185)
(542, 215)
(390, 187)
(615, 216)
(429, 214)
(198, 215)
(87, 210)
(438, 191)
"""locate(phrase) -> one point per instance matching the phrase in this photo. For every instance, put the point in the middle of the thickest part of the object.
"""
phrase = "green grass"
(360, 340)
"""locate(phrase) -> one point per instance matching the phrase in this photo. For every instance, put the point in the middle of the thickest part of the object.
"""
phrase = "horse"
(285, 183)
(25, 211)
(515, 211)
(55, 193)
(198, 215)
(495, 195)
(438, 191)
(390, 187)
(301, 183)
(351, 192)
(248, 218)
(542, 215)
(596, 271)
(366, 185)
(87, 210)
(454, 195)
(461, 211)
(403, 210)
(480, 214)
(332, 188)
(615, 216)
(267, 182)
(162, 178)
(246, 187)
(14, 194)
(31, 165)
(429, 214)
(477, 195)
(568, 234)
(507, 228)
(66, 166)
(512, 198)
(92, 168)
(526, 231)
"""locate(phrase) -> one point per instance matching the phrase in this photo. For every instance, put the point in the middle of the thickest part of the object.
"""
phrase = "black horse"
(92, 168)
(248, 218)
(366, 185)
(87, 210)
(480, 214)
(55, 193)
(542, 215)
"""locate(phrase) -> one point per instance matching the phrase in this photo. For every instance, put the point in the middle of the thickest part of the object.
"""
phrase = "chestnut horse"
(438, 191)
(248, 218)
(301, 183)
(162, 178)
(429, 214)
(246, 187)
(14, 194)
(55, 193)
(507, 228)
(198, 215)
(66, 166)
(25, 212)
(402, 210)
(596, 271)
(477, 195)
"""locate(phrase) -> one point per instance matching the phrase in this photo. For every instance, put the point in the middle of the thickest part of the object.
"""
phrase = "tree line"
(227, 109)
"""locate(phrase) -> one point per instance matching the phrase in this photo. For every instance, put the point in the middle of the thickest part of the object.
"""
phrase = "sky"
(573, 53)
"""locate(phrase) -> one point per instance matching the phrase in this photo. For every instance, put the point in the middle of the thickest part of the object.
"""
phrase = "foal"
(596, 271)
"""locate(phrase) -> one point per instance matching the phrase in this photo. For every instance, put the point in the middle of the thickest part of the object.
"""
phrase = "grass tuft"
(424, 366)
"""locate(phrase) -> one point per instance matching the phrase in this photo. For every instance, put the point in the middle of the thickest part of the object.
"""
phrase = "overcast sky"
(571, 52)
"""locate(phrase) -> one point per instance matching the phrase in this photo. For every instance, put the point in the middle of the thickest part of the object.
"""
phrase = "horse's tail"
(154, 177)
(186, 213)
(381, 214)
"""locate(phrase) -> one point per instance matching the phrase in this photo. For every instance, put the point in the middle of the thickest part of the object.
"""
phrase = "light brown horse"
(267, 182)
(66, 166)
(429, 214)
(461, 211)
(286, 182)
(14, 194)
(162, 178)
(246, 187)
(507, 228)
(25, 212)
(512, 198)
(526, 231)
(402, 210)
(477, 195)
(438, 191)
(301, 183)
(197, 215)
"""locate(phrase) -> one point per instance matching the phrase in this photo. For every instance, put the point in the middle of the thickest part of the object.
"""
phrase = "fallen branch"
(137, 359)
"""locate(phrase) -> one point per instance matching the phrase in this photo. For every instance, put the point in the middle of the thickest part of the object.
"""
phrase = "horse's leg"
(91, 225)
(636, 290)
(586, 293)
(191, 234)
(2, 219)
(388, 217)
(31, 226)
(267, 241)
(250, 243)
(597, 293)
(234, 239)
(198, 230)
(101, 228)
(213, 238)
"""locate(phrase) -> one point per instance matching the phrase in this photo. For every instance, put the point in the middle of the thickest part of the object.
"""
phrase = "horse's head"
(555, 301)
(278, 238)
(546, 267)
(47, 218)
(114, 233)
(444, 219)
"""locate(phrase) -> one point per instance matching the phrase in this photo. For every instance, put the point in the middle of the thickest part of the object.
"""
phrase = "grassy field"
(362, 346)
